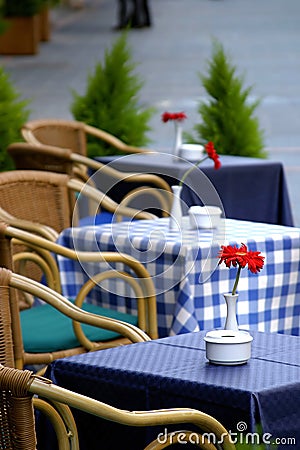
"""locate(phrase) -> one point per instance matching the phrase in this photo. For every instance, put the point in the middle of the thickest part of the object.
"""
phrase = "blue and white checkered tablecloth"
(188, 280)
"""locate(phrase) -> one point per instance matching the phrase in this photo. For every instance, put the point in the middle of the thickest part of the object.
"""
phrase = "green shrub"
(227, 118)
(14, 8)
(13, 115)
(111, 101)
(254, 441)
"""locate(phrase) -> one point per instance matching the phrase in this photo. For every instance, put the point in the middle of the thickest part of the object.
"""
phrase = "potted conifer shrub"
(111, 101)
(22, 32)
(227, 117)
(13, 113)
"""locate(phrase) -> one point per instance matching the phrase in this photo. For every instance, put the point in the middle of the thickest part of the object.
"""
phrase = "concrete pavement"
(261, 37)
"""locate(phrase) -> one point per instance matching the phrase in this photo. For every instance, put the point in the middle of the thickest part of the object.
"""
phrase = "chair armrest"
(148, 288)
(66, 307)
(106, 202)
(114, 141)
(124, 176)
(206, 423)
(156, 183)
(23, 385)
(33, 227)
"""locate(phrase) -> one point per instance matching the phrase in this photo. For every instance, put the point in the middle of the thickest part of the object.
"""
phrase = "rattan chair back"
(32, 156)
(41, 197)
(73, 135)
(58, 133)
(46, 215)
(41, 157)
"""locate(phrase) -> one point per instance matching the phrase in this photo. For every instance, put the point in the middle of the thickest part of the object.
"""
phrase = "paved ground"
(262, 38)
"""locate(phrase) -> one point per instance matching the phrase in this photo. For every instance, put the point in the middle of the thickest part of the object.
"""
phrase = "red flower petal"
(212, 154)
(255, 261)
(231, 255)
(166, 116)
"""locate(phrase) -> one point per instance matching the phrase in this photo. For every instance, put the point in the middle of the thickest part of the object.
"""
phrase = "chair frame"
(69, 184)
(21, 390)
(38, 156)
(41, 239)
(146, 303)
(19, 387)
(34, 132)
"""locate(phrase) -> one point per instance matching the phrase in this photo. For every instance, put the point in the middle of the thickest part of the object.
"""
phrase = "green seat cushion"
(45, 329)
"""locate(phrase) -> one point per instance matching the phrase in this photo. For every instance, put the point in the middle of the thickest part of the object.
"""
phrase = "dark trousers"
(137, 16)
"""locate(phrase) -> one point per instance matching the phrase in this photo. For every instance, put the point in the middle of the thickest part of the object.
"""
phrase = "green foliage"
(14, 8)
(228, 117)
(111, 101)
(254, 441)
(2, 26)
(13, 114)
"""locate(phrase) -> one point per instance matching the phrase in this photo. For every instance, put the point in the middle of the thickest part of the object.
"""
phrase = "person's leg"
(122, 14)
(141, 15)
(135, 20)
(146, 13)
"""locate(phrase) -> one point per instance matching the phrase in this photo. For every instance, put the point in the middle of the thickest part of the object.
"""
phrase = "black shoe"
(141, 25)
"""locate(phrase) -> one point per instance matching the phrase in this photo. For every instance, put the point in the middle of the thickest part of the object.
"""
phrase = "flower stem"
(236, 280)
(191, 169)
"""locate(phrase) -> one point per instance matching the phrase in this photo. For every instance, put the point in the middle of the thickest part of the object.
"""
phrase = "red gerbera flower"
(179, 116)
(240, 257)
(212, 154)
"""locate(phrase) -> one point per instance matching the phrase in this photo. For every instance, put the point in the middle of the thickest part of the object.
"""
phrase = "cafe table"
(174, 372)
(189, 282)
(252, 189)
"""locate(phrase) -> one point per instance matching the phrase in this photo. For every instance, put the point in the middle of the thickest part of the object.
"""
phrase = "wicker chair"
(38, 156)
(21, 390)
(46, 197)
(73, 135)
(50, 199)
(41, 334)
(45, 202)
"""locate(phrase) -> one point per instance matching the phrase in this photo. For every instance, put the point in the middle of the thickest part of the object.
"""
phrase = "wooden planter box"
(21, 37)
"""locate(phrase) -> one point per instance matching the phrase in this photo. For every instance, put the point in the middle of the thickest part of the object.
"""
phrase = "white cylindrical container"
(191, 152)
(204, 216)
(228, 347)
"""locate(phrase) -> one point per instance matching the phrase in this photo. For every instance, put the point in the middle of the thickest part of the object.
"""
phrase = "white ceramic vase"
(177, 141)
(175, 219)
(231, 304)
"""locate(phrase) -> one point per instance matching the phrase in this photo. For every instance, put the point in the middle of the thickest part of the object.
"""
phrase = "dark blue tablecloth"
(174, 372)
(249, 188)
